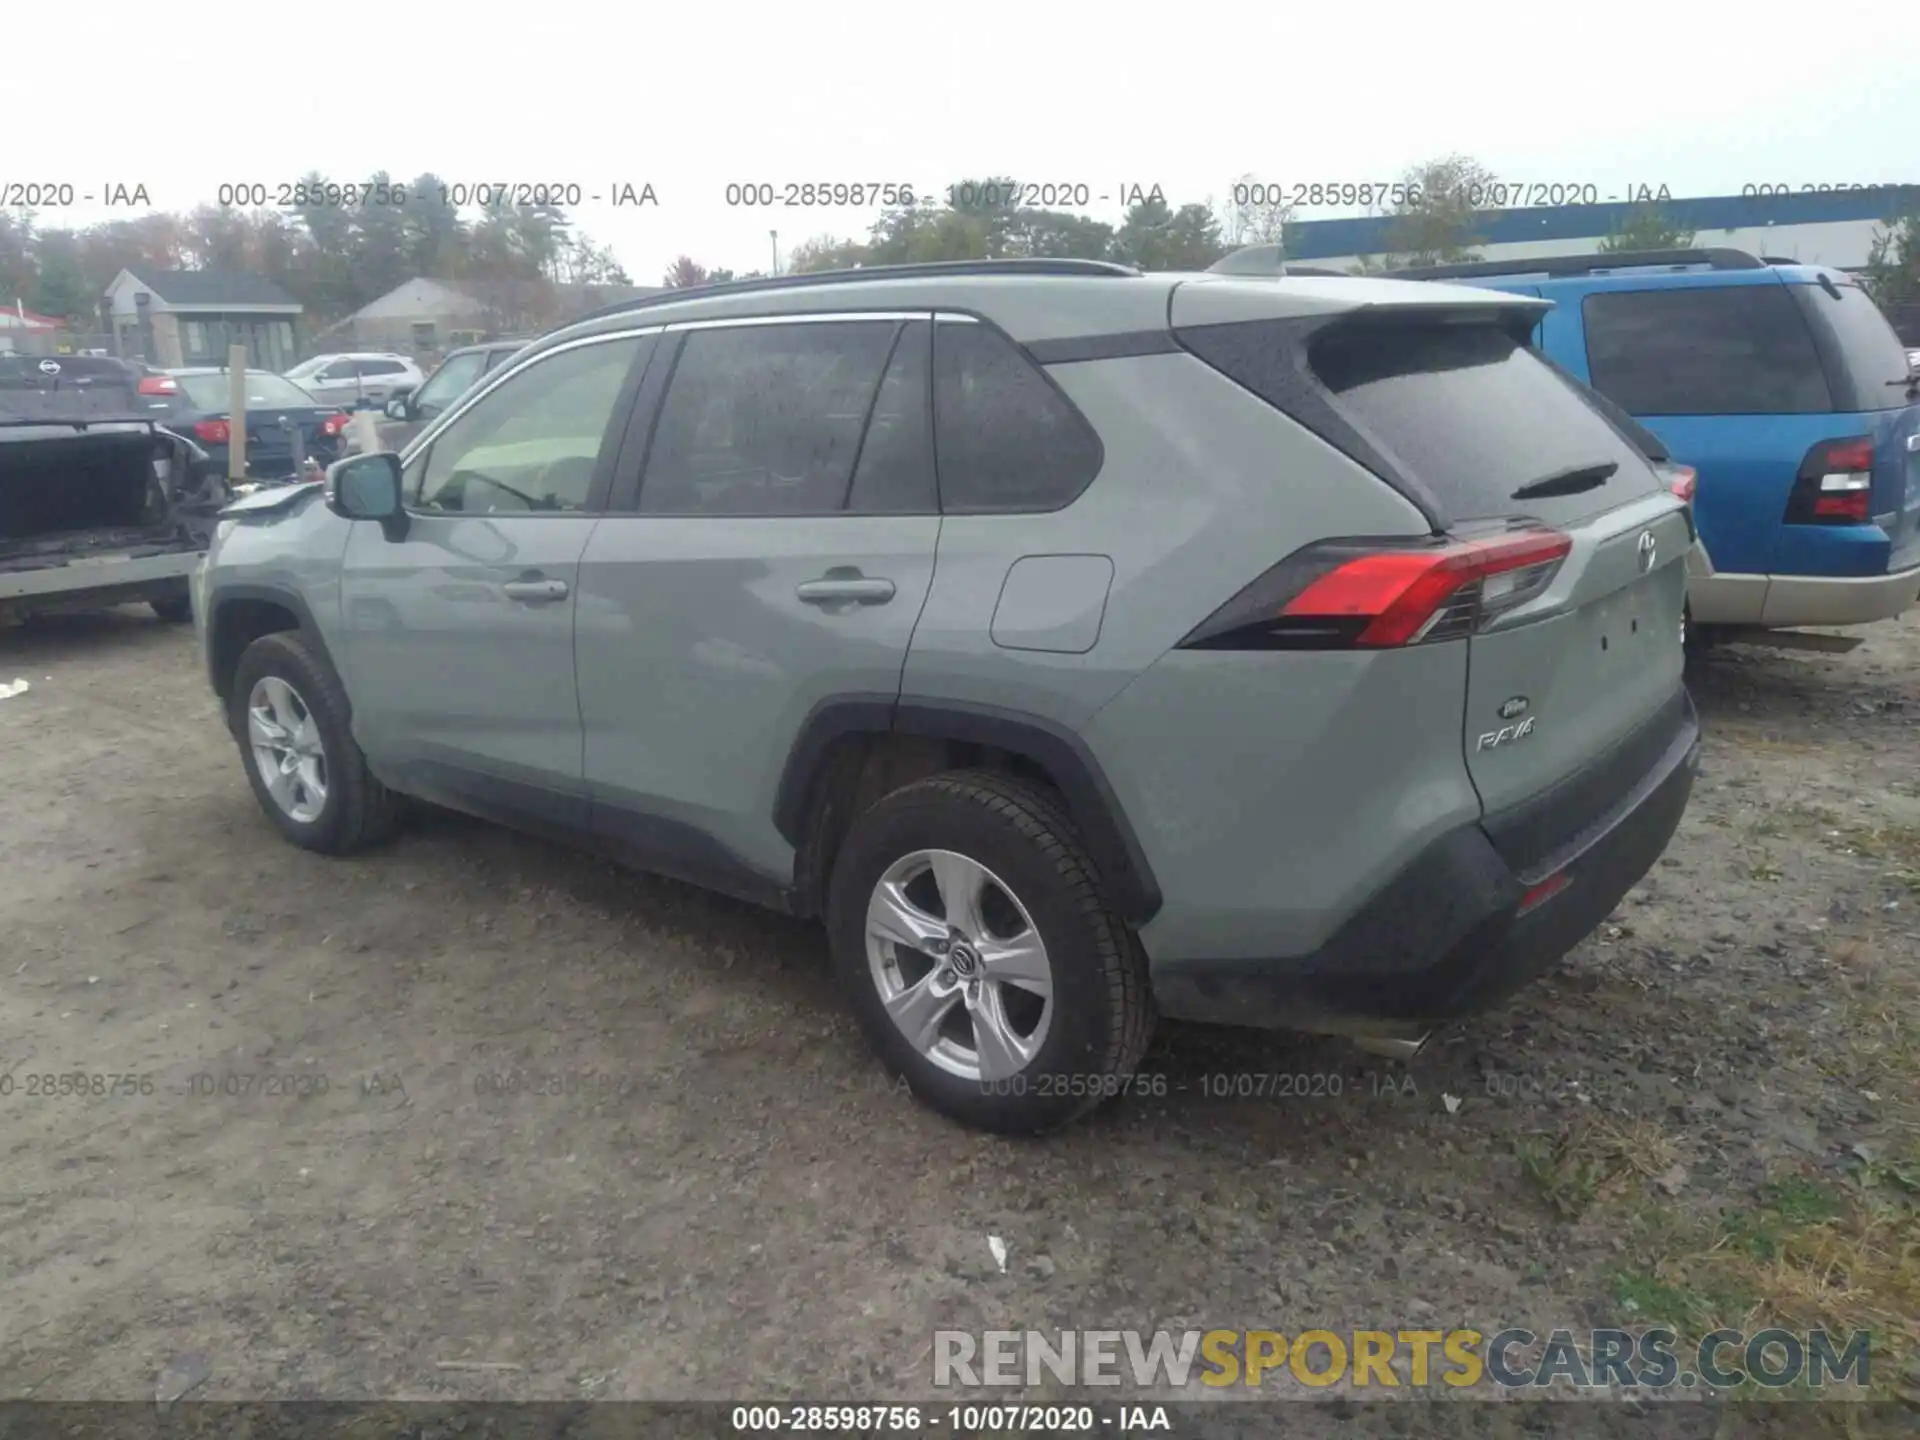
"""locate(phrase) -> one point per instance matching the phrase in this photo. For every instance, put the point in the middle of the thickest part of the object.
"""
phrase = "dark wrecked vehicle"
(100, 503)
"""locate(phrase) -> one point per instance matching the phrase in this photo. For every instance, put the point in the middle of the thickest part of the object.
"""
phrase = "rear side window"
(1477, 417)
(1868, 362)
(1006, 439)
(1726, 350)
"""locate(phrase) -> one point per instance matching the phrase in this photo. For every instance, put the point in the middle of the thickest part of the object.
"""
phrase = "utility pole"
(775, 234)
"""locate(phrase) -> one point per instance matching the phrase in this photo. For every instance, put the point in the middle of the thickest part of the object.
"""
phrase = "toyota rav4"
(1080, 645)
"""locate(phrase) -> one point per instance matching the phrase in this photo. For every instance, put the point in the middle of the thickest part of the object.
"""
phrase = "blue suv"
(1785, 389)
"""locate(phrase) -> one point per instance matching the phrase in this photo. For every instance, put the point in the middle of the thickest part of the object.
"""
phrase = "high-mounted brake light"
(1357, 594)
(159, 385)
(214, 432)
(1835, 484)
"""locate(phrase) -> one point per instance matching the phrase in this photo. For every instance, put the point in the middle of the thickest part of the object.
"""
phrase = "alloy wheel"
(960, 965)
(287, 749)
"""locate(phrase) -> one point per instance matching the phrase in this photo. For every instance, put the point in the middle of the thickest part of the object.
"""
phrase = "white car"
(356, 380)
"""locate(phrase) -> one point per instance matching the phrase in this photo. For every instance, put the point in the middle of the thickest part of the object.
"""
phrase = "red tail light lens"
(1684, 481)
(159, 385)
(213, 432)
(334, 424)
(1343, 595)
(1835, 484)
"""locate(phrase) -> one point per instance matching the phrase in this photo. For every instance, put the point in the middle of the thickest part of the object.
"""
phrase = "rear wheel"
(288, 712)
(969, 932)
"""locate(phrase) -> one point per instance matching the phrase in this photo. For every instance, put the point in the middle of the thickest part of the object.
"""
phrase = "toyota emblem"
(1648, 551)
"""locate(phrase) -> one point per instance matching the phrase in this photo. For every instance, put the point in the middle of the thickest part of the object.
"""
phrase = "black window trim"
(1823, 359)
(629, 478)
(611, 438)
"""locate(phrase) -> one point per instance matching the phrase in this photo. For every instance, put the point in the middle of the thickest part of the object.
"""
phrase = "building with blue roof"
(1824, 227)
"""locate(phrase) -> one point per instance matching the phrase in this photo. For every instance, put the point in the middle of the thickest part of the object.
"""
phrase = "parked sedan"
(277, 412)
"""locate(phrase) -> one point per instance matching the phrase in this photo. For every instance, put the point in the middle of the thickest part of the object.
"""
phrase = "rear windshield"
(269, 392)
(1710, 350)
(1869, 357)
(1475, 415)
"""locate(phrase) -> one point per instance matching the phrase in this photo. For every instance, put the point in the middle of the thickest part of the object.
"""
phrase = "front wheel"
(968, 929)
(288, 712)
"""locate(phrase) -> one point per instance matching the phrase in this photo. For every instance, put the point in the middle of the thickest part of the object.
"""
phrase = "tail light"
(1834, 485)
(1381, 594)
(159, 385)
(334, 424)
(1684, 481)
(213, 432)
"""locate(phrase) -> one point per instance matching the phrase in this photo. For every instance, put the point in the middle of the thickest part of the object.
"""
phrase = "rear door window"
(1476, 417)
(1720, 350)
(1007, 441)
(765, 419)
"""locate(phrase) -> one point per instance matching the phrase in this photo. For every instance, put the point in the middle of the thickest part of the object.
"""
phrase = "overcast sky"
(688, 98)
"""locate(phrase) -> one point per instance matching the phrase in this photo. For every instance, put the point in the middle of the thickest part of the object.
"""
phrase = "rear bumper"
(1445, 937)
(1776, 601)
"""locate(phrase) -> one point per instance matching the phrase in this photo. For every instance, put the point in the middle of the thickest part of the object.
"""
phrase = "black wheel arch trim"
(1091, 801)
(220, 596)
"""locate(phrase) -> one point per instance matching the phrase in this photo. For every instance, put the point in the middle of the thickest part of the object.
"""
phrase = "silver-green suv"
(1080, 645)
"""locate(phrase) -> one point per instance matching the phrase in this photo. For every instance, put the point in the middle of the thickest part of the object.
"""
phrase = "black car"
(284, 424)
(149, 390)
(407, 415)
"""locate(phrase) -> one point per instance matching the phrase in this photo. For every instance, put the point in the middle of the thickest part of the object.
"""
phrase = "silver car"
(358, 380)
(1079, 645)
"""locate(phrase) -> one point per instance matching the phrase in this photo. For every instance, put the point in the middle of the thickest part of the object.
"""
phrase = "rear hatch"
(1870, 377)
(1574, 689)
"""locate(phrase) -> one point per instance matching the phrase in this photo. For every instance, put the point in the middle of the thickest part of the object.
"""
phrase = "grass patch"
(1899, 845)
(1809, 1253)
(1596, 1158)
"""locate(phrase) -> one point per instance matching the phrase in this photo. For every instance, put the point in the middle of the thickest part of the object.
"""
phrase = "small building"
(190, 317)
(425, 316)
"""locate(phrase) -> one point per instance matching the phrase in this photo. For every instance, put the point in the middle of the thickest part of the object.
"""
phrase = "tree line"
(335, 258)
(332, 258)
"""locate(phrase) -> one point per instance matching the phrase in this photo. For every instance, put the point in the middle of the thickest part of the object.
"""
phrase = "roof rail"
(1718, 259)
(926, 270)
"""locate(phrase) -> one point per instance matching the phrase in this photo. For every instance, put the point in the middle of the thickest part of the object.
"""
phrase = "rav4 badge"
(1505, 735)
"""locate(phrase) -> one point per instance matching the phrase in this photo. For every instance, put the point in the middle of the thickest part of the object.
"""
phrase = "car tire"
(336, 807)
(1054, 1057)
(175, 606)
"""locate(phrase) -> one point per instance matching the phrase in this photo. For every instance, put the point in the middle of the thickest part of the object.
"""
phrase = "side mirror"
(367, 487)
(397, 408)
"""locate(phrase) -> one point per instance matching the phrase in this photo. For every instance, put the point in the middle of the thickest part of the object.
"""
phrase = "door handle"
(535, 590)
(856, 588)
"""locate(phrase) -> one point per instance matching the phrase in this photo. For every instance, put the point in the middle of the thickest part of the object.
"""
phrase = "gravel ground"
(726, 1177)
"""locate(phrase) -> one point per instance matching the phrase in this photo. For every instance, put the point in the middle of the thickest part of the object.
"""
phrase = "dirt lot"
(1709, 1115)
